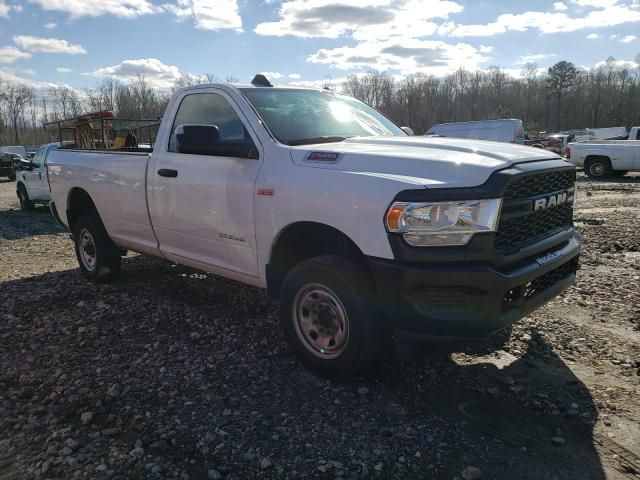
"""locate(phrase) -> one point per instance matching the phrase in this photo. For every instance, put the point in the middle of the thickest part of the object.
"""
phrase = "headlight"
(443, 223)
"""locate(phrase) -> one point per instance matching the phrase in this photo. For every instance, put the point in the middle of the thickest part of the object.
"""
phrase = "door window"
(213, 110)
(39, 157)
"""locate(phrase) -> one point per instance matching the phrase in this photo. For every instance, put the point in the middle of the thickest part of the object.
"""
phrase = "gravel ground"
(170, 373)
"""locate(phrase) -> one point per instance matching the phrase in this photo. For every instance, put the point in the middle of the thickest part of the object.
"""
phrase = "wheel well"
(597, 157)
(79, 203)
(301, 241)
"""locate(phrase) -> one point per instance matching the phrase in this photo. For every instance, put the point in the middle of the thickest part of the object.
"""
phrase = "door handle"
(168, 172)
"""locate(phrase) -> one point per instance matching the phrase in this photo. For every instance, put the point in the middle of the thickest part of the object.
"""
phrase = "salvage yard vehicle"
(31, 185)
(505, 130)
(605, 158)
(360, 231)
(8, 163)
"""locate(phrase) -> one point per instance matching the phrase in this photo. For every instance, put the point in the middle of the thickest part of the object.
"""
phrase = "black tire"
(619, 173)
(598, 167)
(12, 177)
(23, 197)
(92, 241)
(351, 285)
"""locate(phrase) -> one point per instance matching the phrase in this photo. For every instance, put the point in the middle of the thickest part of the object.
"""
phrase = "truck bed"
(113, 178)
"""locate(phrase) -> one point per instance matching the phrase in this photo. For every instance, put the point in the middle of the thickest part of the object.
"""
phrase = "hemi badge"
(267, 192)
(323, 157)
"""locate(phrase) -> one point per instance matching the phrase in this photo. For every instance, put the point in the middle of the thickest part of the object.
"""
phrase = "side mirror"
(205, 140)
(197, 139)
(27, 165)
(408, 131)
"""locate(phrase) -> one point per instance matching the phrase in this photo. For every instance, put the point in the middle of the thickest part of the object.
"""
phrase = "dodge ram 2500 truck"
(361, 231)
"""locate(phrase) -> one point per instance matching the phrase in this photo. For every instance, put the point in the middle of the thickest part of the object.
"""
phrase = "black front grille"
(539, 285)
(540, 184)
(549, 279)
(517, 230)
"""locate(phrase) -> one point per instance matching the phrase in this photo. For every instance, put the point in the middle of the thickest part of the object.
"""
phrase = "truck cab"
(31, 179)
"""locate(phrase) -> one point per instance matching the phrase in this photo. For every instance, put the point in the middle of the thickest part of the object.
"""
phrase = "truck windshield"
(298, 117)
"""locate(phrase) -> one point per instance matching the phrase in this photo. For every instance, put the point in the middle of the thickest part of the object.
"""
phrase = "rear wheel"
(98, 256)
(23, 198)
(598, 167)
(327, 316)
(12, 176)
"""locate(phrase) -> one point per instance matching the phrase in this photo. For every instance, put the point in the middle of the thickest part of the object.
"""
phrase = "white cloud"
(208, 14)
(406, 56)
(278, 75)
(11, 54)
(4, 9)
(155, 72)
(63, 70)
(618, 64)
(560, 6)
(334, 83)
(628, 38)
(593, 36)
(272, 75)
(47, 45)
(613, 36)
(50, 25)
(379, 19)
(8, 75)
(95, 8)
(604, 13)
(486, 49)
(534, 57)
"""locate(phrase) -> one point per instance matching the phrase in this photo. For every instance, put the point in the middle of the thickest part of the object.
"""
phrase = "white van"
(505, 130)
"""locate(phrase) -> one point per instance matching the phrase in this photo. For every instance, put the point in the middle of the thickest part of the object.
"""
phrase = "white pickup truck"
(361, 231)
(31, 179)
(606, 158)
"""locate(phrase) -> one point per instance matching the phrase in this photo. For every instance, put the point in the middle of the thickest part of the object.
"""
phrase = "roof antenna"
(261, 80)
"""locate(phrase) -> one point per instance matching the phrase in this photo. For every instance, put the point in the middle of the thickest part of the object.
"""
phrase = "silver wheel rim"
(320, 320)
(21, 197)
(596, 169)
(87, 250)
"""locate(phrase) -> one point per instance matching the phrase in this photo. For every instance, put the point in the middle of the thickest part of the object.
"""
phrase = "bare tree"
(15, 97)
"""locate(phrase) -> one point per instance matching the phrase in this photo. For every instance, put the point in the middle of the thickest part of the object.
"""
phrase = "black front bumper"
(470, 299)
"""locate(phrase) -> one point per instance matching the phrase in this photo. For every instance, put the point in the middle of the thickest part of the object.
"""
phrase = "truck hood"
(433, 162)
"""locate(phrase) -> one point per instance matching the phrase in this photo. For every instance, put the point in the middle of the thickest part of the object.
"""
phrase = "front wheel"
(598, 167)
(327, 316)
(98, 256)
(23, 198)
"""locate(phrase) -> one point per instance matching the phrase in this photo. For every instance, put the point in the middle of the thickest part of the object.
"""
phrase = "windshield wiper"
(309, 141)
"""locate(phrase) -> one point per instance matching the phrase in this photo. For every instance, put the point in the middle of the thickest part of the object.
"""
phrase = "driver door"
(202, 202)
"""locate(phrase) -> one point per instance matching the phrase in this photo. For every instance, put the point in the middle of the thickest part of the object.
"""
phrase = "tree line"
(560, 98)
